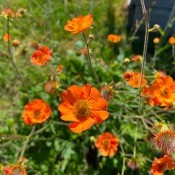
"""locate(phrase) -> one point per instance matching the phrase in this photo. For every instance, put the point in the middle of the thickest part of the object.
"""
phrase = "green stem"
(26, 143)
(89, 61)
(11, 57)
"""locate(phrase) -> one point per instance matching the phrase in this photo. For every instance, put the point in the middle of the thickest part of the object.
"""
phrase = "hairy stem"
(89, 60)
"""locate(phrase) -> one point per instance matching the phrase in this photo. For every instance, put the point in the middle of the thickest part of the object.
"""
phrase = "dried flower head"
(36, 111)
(165, 141)
(51, 86)
(160, 165)
(107, 144)
(114, 38)
(84, 106)
(133, 164)
(16, 42)
(107, 92)
(41, 56)
(79, 24)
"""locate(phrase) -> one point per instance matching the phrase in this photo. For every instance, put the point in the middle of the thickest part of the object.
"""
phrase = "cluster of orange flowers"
(161, 91)
(107, 144)
(160, 165)
(134, 79)
(41, 56)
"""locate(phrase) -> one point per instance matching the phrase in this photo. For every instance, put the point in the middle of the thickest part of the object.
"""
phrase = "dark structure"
(162, 12)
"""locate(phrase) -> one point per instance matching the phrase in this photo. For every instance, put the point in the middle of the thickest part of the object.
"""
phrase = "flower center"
(37, 113)
(105, 143)
(82, 109)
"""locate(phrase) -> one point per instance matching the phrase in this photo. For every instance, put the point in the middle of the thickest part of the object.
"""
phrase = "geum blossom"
(134, 79)
(160, 92)
(83, 106)
(41, 56)
(36, 111)
(160, 165)
(107, 144)
(79, 24)
(114, 38)
(16, 169)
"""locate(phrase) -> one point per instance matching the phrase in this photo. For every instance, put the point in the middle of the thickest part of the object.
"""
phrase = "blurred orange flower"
(84, 106)
(137, 58)
(7, 37)
(16, 169)
(165, 141)
(41, 56)
(114, 38)
(172, 40)
(79, 24)
(134, 79)
(161, 91)
(36, 111)
(107, 144)
(7, 12)
(60, 68)
(160, 165)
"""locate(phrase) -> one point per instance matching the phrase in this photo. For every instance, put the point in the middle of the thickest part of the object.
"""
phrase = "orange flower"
(41, 56)
(137, 58)
(107, 144)
(60, 68)
(165, 141)
(114, 38)
(134, 79)
(156, 40)
(172, 40)
(7, 37)
(84, 106)
(160, 165)
(79, 24)
(14, 170)
(161, 91)
(7, 12)
(36, 111)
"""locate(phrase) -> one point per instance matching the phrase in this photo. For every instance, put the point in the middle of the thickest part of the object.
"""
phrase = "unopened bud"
(126, 60)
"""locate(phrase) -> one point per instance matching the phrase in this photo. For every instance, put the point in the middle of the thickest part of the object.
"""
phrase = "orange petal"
(98, 104)
(94, 94)
(65, 108)
(78, 127)
(103, 115)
